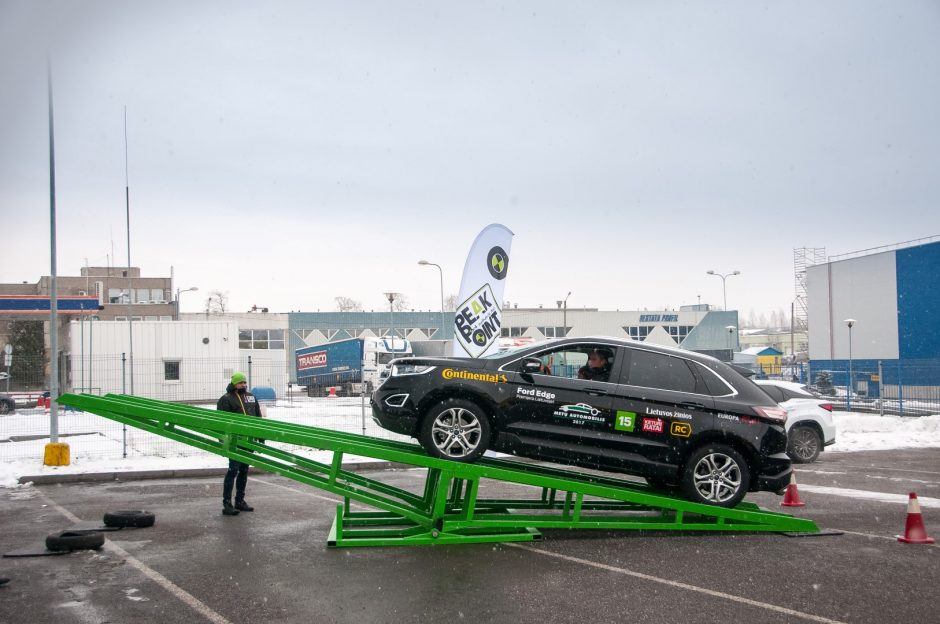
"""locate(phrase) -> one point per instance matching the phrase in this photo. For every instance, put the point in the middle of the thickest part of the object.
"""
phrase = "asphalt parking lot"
(273, 565)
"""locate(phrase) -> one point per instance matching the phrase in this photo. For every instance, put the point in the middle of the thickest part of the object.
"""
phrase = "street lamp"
(723, 277)
(182, 290)
(848, 395)
(564, 315)
(391, 296)
(441, 272)
(730, 329)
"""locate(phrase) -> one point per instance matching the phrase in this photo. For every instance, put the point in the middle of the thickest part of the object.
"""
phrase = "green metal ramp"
(449, 509)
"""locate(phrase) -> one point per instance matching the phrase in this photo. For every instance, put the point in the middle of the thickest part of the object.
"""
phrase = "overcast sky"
(292, 152)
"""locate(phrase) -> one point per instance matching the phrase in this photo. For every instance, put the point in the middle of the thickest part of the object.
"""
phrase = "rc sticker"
(653, 425)
(680, 429)
(625, 421)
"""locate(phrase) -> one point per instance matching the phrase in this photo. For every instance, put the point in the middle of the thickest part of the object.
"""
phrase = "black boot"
(228, 510)
(241, 505)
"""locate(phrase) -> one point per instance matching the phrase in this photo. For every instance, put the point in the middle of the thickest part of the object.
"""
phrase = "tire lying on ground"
(75, 540)
(127, 518)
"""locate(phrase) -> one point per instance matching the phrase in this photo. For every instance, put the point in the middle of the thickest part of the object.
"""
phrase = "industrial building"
(871, 319)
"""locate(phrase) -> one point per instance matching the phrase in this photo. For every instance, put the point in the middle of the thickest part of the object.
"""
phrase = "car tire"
(455, 429)
(803, 444)
(716, 474)
(126, 518)
(5, 408)
(75, 540)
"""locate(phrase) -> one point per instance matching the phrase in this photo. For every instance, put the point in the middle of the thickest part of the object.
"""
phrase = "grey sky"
(292, 152)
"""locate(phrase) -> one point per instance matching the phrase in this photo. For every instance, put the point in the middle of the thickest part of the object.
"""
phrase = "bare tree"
(217, 302)
(401, 303)
(347, 304)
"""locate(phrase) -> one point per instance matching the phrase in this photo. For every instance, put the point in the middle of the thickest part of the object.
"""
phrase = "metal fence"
(25, 431)
(904, 389)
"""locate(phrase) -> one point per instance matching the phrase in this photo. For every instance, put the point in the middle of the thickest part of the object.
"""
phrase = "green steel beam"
(449, 510)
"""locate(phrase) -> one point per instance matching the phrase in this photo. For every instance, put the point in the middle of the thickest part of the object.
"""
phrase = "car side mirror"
(531, 365)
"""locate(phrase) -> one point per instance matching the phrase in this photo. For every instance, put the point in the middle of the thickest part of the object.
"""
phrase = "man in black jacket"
(237, 399)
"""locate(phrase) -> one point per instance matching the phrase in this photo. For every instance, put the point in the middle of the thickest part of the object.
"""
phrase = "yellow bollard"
(57, 454)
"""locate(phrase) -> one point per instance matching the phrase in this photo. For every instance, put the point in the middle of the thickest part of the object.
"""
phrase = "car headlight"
(399, 370)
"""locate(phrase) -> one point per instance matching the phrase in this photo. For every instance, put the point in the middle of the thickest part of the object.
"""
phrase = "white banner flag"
(479, 316)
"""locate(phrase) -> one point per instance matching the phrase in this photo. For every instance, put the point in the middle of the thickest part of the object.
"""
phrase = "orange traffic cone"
(791, 498)
(914, 531)
(332, 394)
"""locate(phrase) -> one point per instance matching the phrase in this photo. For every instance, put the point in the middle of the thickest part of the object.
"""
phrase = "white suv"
(809, 419)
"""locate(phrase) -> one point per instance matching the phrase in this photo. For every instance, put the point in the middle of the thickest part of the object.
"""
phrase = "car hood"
(446, 362)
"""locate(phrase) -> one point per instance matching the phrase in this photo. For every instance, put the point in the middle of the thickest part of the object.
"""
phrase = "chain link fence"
(24, 431)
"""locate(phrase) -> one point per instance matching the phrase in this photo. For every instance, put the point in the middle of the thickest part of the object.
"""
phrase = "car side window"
(775, 393)
(656, 370)
(578, 361)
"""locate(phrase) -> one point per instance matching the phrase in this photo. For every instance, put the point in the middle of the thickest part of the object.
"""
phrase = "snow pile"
(870, 432)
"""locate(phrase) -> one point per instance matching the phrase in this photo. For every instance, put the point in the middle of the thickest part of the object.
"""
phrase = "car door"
(660, 406)
(554, 413)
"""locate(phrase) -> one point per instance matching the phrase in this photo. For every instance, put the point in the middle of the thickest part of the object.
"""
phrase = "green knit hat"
(238, 378)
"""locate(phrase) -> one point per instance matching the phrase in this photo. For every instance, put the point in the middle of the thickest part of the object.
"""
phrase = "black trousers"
(237, 475)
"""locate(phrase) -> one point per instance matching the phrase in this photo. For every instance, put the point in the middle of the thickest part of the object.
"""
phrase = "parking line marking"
(306, 493)
(881, 497)
(159, 579)
(679, 585)
(870, 468)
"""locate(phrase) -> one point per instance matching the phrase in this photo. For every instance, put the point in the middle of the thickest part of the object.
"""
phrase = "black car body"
(7, 404)
(681, 420)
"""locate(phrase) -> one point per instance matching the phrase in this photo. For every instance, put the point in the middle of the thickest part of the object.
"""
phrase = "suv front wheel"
(716, 474)
(455, 429)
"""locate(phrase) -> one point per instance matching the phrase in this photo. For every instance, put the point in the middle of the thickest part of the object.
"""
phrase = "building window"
(261, 339)
(513, 332)
(171, 370)
(554, 332)
(117, 295)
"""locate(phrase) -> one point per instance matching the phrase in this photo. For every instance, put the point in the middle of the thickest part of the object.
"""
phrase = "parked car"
(681, 420)
(7, 404)
(810, 427)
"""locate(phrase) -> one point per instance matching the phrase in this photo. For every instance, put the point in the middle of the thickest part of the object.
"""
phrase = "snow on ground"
(97, 444)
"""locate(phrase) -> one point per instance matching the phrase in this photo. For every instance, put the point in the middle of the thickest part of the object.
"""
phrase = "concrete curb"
(132, 475)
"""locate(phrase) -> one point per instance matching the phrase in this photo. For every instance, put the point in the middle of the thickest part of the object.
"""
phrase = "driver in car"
(597, 367)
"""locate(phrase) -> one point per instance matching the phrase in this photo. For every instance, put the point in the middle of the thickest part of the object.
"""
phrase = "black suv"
(679, 419)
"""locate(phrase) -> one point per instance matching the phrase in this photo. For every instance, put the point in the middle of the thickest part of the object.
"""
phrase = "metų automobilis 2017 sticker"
(477, 322)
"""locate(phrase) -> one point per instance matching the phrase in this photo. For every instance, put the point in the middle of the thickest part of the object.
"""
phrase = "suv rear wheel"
(716, 474)
(455, 429)
(803, 444)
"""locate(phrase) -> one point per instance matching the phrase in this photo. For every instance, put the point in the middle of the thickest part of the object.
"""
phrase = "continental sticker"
(680, 429)
(449, 373)
(625, 421)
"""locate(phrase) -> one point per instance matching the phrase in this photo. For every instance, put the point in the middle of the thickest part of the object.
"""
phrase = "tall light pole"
(182, 290)
(848, 395)
(391, 315)
(724, 276)
(730, 329)
(564, 315)
(441, 272)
